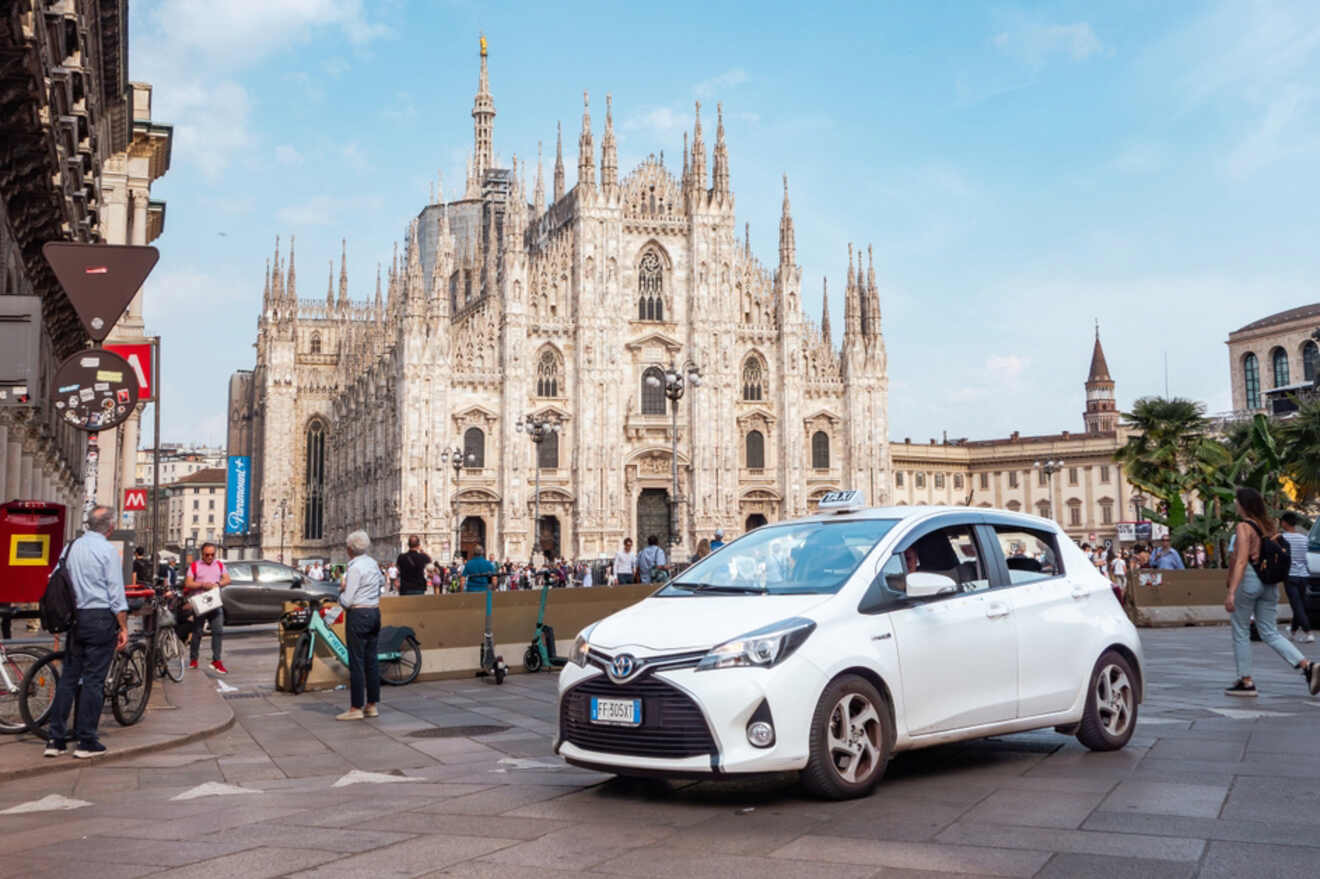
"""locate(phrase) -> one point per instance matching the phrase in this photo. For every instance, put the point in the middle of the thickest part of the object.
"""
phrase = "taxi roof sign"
(841, 501)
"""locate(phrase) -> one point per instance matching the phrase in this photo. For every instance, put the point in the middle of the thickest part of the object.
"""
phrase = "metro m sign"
(135, 500)
(139, 359)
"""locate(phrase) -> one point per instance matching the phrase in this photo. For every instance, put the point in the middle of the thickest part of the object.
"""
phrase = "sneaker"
(1241, 689)
(371, 711)
(85, 751)
(1312, 674)
(192, 664)
(351, 714)
(54, 749)
(219, 668)
(1308, 638)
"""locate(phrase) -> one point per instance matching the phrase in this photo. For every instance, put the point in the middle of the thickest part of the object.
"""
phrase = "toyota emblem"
(622, 667)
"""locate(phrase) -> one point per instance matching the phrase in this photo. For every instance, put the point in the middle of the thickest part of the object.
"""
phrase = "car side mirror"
(922, 584)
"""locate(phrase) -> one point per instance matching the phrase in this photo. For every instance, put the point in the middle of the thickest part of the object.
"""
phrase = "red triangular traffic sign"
(100, 279)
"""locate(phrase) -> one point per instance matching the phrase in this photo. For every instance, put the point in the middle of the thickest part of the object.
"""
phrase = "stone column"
(4, 457)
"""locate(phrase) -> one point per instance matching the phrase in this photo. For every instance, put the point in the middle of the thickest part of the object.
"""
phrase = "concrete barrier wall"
(449, 628)
(1183, 598)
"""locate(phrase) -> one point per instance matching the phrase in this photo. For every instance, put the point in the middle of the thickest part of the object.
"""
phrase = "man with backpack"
(97, 622)
(208, 573)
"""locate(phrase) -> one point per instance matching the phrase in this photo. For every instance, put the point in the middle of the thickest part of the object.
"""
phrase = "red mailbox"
(31, 540)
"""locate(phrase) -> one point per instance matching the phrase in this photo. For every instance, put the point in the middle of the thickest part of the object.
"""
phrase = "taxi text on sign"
(139, 359)
(135, 499)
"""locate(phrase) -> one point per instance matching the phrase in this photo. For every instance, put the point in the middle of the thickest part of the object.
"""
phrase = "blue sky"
(1021, 170)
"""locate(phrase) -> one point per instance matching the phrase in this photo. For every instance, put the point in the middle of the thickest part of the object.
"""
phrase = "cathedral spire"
(720, 169)
(872, 294)
(586, 161)
(747, 240)
(472, 190)
(483, 121)
(825, 332)
(539, 197)
(687, 171)
(330, 288)
(277, 277)
(291, 287)
(698, 155)
(787, 237)
(265, 291)
(559, 161)
(379, 308)
(609, 152)
(343, 273)
(852, 310)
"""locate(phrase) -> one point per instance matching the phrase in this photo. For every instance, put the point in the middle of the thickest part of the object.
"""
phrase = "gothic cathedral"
(569, 308)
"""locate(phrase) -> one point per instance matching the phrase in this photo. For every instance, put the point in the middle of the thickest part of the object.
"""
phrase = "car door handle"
(996, 610)
(1081, 592)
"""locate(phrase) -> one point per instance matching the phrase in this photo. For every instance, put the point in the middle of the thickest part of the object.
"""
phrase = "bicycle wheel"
(132, 684)
(38, 690)
(16, 664)
(404, 670)
(300, 664)
(169, 654)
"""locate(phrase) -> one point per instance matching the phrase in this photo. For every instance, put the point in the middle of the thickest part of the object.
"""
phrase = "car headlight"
(762, 648)
(581, 647)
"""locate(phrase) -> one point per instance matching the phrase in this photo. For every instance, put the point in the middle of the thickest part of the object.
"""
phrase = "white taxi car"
(826, 644)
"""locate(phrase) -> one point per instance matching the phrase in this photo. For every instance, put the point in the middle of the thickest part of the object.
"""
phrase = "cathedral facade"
(567, 306)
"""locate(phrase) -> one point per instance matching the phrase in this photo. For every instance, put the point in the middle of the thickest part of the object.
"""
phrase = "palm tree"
(1300, 441)
(1168, 447)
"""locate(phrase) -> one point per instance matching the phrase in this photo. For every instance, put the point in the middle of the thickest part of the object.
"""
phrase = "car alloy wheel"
(1110, 716)
(851, 737)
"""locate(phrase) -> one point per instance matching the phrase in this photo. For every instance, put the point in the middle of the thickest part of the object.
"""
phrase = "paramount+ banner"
(238, 494)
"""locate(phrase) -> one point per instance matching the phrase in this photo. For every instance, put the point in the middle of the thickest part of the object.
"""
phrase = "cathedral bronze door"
(549, 537)
(653, 517)
(754, 521)
(471, 535)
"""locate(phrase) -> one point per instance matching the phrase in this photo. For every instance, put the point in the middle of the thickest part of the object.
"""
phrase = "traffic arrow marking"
(52, 803)
(213, 789)
(1243, 714)
(357, 776)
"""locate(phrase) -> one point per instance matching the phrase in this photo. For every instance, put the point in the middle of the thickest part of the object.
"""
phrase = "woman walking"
(1248, 597)
(360, 596)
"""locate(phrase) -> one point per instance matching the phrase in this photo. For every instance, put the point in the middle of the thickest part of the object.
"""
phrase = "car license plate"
(618, 712)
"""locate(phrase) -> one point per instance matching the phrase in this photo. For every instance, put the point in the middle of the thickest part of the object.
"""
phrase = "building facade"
(64, 113)
(1087, 494)
(176, 462)
(1278, 354)
(561, 306)
(196, 509)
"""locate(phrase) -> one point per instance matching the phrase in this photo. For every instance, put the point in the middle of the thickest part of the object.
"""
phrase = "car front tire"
(1110, 717)
(851, 739)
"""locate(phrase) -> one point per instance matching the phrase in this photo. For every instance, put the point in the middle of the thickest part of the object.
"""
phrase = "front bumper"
(725, 699)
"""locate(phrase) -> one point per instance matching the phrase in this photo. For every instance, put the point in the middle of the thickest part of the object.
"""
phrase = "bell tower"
(1101, 414)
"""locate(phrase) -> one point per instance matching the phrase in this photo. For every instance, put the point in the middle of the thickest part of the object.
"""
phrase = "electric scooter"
(490, 663)
(541, 653)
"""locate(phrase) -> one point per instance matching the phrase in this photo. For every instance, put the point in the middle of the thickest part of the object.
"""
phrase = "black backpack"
(1274, 560)
(58, 604)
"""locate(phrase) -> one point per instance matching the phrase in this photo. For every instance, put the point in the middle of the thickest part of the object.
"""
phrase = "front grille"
(672, 724)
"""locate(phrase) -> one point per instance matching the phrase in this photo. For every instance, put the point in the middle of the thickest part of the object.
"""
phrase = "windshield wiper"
(717, 587)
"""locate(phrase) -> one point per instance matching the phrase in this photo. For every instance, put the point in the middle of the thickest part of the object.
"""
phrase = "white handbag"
(205, 602)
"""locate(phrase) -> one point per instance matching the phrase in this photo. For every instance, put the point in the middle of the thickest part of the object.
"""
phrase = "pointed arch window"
(1279, 360)
(549, 374)
(1310, 361)
(316, 343)
(653, 392)
(547, 452)
(651, 287)
(755, 450)
(314, 505)
(820, 450)
(753, 380)
(1251, 380)
(474, 447)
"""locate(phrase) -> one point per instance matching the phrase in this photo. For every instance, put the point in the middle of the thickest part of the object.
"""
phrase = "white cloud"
(660, 120)
(1006, 367)
(353, 155)
(287, 155)
(1034, 42)
(723, 82)
(403, 109)
(318, 211)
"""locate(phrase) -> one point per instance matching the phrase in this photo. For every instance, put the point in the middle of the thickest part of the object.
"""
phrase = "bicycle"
(14, 665)
(397, 666)
(127, 685)
(168, 649)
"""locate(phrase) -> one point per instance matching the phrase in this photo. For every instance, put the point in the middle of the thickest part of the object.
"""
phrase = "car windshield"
(792, 559)
(1313, 542)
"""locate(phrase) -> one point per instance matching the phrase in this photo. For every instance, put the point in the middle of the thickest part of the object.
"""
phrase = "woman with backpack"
(1258, 563)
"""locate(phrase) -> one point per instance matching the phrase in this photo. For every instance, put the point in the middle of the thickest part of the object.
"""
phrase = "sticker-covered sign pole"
(155, 456)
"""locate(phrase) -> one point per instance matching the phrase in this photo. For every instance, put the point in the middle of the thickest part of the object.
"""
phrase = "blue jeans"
(363, 630)
(89, 649)
(471, 588)
(1296, 589)
(1254, 598)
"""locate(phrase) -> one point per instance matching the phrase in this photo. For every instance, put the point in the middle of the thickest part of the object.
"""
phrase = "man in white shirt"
(625, 563)
(360, 596)
(1298, 574)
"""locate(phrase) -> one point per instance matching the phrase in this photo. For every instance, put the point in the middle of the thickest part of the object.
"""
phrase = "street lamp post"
(454, 457)
(1049, 467)
(675, 382)
(537, 428)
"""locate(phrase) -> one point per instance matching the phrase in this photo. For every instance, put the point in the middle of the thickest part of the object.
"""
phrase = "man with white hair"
(359, 593)
(100, 627)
